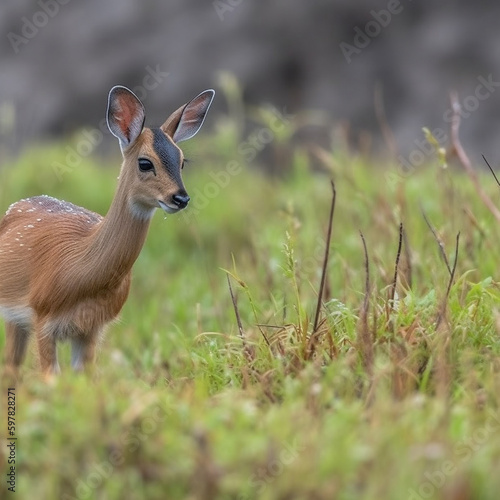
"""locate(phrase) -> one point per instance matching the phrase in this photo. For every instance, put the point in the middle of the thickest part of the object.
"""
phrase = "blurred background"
(364, 66)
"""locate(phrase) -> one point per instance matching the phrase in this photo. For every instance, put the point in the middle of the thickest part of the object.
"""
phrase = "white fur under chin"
(141, 212)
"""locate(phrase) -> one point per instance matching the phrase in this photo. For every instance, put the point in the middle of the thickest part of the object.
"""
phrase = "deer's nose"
(181, 200)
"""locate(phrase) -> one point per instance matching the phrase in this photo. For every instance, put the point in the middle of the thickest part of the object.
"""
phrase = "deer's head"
(151, 171)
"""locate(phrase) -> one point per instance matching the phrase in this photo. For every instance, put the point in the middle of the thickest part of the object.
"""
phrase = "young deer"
(64, 270)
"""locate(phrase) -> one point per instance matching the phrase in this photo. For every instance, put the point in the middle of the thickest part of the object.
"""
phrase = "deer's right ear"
(125, 115)
(185, 123)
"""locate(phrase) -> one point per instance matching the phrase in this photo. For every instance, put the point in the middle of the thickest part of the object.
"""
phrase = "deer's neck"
(115, 243)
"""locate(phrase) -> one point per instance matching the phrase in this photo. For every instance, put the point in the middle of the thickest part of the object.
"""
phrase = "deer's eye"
(146, 165)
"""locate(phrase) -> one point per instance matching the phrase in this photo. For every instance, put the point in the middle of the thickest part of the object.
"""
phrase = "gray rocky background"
(59, 58)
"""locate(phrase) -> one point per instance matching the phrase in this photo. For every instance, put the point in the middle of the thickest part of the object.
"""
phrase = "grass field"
(387, 399)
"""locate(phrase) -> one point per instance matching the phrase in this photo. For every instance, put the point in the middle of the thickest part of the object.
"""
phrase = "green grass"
(180, 407)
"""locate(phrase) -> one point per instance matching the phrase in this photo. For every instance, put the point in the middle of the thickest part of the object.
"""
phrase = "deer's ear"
(184, 123)
(125, 115)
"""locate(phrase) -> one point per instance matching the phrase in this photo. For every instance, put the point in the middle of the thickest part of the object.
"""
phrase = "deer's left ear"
(185, 123)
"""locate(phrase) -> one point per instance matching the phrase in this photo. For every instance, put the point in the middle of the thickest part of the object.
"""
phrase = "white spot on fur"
(17, 314)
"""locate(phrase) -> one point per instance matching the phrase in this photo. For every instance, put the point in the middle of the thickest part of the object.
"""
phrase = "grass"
(393, 404)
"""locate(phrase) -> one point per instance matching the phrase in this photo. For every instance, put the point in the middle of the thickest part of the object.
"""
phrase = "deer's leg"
(47, 351)
(83, 350)
(16, 342)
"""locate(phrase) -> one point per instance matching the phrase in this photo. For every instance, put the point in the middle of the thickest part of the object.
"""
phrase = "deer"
(65, 271)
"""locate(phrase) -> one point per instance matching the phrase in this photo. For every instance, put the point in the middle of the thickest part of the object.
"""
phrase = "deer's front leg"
(47, 350)
(16, 342)
(83, 350)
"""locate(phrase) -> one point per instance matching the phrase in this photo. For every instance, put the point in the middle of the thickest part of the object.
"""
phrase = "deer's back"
(36, 233)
